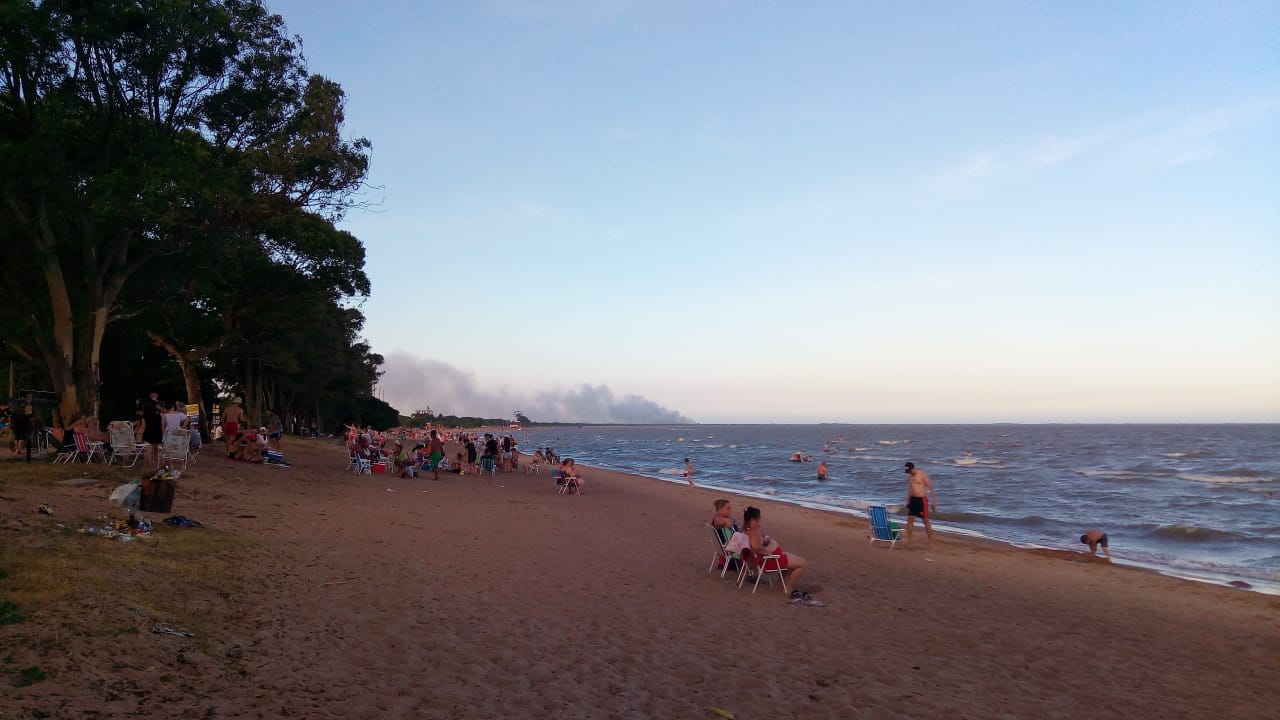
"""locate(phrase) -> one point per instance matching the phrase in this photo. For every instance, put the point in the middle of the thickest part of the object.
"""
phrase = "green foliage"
(30, 676)
(182, 142)
(10, 614)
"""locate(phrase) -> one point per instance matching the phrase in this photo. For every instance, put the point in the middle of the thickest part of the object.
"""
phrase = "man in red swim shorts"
(231, 419)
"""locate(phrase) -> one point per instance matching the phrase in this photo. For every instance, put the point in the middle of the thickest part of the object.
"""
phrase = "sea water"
(1197, 501)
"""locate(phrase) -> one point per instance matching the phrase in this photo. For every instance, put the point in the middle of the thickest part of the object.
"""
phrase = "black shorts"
(917, 506)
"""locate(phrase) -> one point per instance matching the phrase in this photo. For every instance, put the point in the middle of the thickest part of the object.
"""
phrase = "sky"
(759, 212)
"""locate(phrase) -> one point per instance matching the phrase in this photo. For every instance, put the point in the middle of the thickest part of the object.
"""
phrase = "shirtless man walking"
(918, 503)
(435, 446)
(232, 418)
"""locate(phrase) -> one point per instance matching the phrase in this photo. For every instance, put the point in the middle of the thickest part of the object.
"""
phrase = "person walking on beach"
(1095, 538)
(231, 419)
(921, 500)
(688, 471)
(436, 448)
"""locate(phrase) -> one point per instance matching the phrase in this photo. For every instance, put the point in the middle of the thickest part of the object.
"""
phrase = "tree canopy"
(172, 175)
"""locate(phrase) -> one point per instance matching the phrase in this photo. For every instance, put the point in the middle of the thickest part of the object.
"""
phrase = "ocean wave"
(893, 442)
(1193, 533)
(836, 501)
(1104, 473)
(1236, 477)
(977, 464)
(712, 446)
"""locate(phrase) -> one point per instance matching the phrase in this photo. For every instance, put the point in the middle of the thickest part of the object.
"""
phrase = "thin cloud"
(962, 178)
(410, 383)
(1151, 141)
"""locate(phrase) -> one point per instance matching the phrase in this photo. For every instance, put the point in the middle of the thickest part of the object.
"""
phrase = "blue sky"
(817, 212)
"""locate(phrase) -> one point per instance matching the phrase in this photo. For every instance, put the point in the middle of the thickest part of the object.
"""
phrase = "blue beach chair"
(881, 530)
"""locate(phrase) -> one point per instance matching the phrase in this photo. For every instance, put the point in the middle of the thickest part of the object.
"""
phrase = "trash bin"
(157, 495)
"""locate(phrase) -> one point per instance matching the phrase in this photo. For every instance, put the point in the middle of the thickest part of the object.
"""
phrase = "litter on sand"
(167, 629)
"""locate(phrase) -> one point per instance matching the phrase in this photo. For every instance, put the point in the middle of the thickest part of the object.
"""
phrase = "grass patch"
(30, 676)
(65, 582)
(10, 614)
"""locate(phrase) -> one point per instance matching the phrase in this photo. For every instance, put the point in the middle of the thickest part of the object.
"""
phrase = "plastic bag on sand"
(127, 494)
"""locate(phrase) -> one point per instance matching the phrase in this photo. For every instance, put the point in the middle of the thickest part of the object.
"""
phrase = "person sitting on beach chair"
(402, 459)
(569, 475)
(724, 524)
(766, 547)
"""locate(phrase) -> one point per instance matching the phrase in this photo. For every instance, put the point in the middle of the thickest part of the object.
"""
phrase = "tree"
(131, 130)
(522, 418)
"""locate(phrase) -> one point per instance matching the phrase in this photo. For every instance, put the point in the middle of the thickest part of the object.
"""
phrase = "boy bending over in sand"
(1095, 538)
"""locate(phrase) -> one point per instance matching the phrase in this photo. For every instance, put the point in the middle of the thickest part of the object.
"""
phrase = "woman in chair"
(569, 473)
(762, 545)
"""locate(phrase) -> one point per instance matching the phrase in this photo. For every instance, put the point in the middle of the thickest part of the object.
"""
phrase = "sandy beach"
(496, 597)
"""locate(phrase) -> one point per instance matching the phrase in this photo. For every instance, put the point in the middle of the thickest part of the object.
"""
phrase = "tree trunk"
(190, 378)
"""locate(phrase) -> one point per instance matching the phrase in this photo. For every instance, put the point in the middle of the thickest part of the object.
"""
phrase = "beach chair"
(123, 445)
(762, 568)
(881, 530)
(176, 447)
(63, 453)
(86, 449)
(195, 446)
(725, 558)
(359, 465)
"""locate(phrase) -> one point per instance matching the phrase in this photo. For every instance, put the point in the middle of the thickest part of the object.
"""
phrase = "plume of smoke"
(411, 383)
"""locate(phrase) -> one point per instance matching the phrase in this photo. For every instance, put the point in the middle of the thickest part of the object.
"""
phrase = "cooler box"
(378, 468)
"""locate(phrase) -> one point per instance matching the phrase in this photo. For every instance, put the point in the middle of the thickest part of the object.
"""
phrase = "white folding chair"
(176, 447)
(761, 566)
(123, 446)
(723, 556)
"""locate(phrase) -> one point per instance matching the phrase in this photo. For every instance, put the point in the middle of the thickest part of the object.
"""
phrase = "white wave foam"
(1104, 473)
(1223, 479)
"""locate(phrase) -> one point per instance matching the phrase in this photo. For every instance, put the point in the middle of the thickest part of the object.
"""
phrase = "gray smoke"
(410, 383)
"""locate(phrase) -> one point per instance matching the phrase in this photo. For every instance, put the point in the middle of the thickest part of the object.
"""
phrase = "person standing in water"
(921, 500)
(688, 471)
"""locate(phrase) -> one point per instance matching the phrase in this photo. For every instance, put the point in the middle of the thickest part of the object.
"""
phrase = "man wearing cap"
(921, 499)
(231, 420)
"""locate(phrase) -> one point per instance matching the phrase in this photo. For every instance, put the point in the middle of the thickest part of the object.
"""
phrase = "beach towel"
(737, 543)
